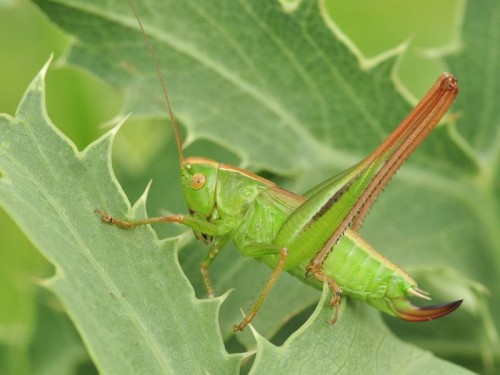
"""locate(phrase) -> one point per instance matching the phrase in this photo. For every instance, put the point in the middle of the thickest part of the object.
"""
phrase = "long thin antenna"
(175, 127)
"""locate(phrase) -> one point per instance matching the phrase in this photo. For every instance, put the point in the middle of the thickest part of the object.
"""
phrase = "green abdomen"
(362, 273)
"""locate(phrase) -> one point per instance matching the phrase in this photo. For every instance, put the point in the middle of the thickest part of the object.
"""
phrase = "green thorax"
(249, 207)
(220, 192)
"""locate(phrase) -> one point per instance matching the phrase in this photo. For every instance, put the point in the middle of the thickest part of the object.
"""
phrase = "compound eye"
(198, 181)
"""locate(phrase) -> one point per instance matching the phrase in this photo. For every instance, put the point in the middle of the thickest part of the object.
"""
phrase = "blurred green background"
(35, 335)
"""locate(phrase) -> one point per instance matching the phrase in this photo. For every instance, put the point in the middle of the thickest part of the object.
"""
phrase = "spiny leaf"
(358, 343)
(124, 290)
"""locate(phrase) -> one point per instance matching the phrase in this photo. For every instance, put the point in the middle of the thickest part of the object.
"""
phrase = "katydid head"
(198, 180)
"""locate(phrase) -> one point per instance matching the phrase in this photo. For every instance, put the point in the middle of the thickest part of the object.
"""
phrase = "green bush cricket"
(314, 237)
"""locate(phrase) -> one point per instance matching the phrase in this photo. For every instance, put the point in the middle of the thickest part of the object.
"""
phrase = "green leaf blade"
(252, 93)
(358, 342)
(124, 290)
